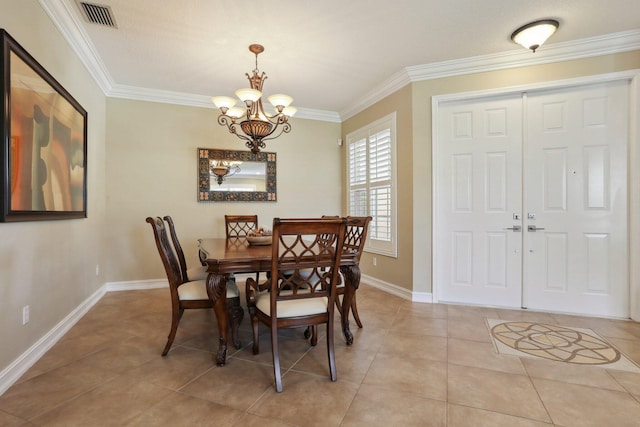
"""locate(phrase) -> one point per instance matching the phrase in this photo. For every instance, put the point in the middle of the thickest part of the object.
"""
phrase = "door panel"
(575, 183)
(479, 191)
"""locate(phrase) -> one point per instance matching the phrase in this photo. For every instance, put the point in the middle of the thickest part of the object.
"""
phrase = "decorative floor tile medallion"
(560, 343)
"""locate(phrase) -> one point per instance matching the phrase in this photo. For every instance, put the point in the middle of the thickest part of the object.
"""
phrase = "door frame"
(633, 157)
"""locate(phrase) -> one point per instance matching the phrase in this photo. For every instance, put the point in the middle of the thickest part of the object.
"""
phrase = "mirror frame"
(205, 155)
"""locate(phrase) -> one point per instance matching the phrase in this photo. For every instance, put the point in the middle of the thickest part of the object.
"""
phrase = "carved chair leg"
(314, 335)
(236, 314)
(339, 305)
(354, 310)
(254, 330)
(276, 359)
(331, 352)
(176, 315)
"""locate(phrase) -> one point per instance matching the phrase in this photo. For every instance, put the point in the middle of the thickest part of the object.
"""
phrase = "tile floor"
(411, 365)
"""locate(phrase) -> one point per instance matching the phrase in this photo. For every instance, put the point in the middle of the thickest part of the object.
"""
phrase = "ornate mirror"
(236, 176)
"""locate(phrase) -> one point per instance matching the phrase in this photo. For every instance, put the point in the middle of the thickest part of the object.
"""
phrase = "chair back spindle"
(239, 225)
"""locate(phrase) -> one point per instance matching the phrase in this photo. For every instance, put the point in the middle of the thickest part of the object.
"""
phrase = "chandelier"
(251, 123)
(222, 169)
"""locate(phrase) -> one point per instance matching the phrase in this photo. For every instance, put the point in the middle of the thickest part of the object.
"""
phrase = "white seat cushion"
(292, 308)
(197, 289)
(197, 273)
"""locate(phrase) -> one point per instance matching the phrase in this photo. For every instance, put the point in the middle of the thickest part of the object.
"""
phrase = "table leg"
(351, 276)
(217, 290)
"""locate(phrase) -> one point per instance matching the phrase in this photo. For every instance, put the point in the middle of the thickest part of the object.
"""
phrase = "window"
(371, 182)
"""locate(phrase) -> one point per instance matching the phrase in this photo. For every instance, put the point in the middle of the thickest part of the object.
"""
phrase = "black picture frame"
(44, 142)
(205, 155)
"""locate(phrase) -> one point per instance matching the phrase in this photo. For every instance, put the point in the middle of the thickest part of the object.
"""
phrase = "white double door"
(531, 200)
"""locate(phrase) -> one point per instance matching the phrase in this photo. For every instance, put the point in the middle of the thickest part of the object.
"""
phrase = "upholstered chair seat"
(197, 273)
(188, 287)
(291, 308)
(197, 290)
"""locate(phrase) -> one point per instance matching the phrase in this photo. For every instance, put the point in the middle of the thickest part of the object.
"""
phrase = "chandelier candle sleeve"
(251, 123)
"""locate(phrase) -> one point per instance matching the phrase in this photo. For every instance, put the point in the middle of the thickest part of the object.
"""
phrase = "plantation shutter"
(371, 185)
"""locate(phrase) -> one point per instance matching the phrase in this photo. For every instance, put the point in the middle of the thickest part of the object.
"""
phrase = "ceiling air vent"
(97, 14)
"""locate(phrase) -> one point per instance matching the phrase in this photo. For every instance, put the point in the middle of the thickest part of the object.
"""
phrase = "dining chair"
(238, 226)
(194, 273)
(298, 299)
(190, 294)
(354, 239)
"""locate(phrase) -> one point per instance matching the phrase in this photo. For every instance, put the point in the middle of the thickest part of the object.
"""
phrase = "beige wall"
(395, 271)
(151, 171)
(50, 265)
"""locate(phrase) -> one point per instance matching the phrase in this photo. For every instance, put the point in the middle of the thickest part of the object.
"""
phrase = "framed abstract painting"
(44, 142)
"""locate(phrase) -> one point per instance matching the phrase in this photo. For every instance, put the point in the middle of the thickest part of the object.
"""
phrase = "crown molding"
(73, 32)
(391, 85)
(577, 49)
(322, 115)
(201, 101)
(64, 19)
(583, 48)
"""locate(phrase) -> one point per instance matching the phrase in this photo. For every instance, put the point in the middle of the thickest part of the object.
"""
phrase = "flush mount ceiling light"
(250, 122)
(532, 35)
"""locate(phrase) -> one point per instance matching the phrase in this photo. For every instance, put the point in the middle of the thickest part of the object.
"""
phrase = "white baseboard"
(424, 297)
(137, 285)
(396, 290)
(26, 360)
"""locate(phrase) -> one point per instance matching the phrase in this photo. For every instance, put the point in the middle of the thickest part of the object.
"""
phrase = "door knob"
(533, 228)
(515, 228)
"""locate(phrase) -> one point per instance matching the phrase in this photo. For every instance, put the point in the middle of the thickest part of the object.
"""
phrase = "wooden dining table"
(235, 256)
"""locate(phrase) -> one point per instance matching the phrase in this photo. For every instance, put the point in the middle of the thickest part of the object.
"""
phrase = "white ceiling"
(332, 56)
